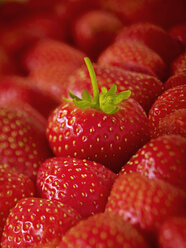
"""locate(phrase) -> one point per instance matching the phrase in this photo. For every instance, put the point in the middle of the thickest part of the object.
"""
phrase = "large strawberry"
(167, 114)
(179, 64)
(163, 158)
(154, 37)
(76, 128)
(82, 184)
(103, 230)
(13, 187)
(132, 51)
(172, 233)
(145, 202)
(37, 222)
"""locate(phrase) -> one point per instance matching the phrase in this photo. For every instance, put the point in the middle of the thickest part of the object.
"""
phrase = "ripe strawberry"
(75, 129)
(131, 51)
(103, 230)
(81, 184)
(145, 202)
(16, 87)
(179, 32)
(179, 64)
(162, 158)
(94, 30)
(13, 187)
(52, 51)
(37, 222)
(167, 114)
(172, 233)
(6, 65)
(144, 88)
(175, 80)
(154, 37)
(23, 144)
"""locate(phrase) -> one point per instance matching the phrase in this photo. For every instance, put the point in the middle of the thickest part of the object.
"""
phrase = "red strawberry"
(22, 139)
(103, 230)
(52, 51)
(131, 51)
(6, 65)
(145, 202)
(179, 32)
(13, 187)
(166, 109)
(81, 184)
(144, 88)
(172, 233)
(179, 64)
(16, 87)
(37, 222)
(94, 30)
(175, 80)
(75, 129)
(162, 158)
(154, 37)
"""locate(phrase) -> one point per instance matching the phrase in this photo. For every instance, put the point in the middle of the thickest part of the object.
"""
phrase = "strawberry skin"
(103, 230)
(13, 187)
(127, 51)
(145, 202)
(36, 222)
(179, 64)
(78, 133)
(179, 32)
(161, 158)
(172, 233)
(87, 183)
(175, 80)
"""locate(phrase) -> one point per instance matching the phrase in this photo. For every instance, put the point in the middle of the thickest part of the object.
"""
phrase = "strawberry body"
(175, 80)
(179, 32)
(162, 158)
(179, 64)
(37, 222)
(78, 133)
(103, 230)
(87, 183)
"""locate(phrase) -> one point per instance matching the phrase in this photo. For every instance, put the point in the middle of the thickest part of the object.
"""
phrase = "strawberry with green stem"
(103, 128)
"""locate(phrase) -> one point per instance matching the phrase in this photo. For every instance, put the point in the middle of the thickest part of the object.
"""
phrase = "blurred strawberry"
(179, 64)
(172, 233)
(103, 230)
(175, 80)
(168, 113)
(179, 32)
(154, 37)
(6, 65)
(94, 30)
(121, 53)
(162, 158)
(36, 222)
(13, 187)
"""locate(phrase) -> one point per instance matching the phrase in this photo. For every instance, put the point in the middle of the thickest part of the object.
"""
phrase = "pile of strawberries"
(93, 124)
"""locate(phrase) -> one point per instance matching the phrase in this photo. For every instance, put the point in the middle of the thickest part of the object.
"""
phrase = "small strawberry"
(37, 222)
(179, 64)
(131, 51)
(154, 37)
(162, 158)
(81, 184)
(75, 129)
(145, 202)
(167, 114)
(13, 187)
(103, 230)
(172, 233)
(179, 32)
(94, 30)
(175, 80)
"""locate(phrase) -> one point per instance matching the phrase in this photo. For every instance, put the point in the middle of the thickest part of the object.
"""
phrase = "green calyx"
(106, 100)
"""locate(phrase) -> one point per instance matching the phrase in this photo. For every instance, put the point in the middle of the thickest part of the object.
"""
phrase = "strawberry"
(75, 129)
(94, 30)
(13, 187)
(172, 233)
(87, 183)
(131, 51)
(6, 65)
(175, 80)
(16, 87)
(167, 114)
(145, 202)
(23, 144)
(103, 230)
(179, 64)
(144, 88)
(37, 222)
(154, 37)
(162, 158)
(179, 32)
(51, 51)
